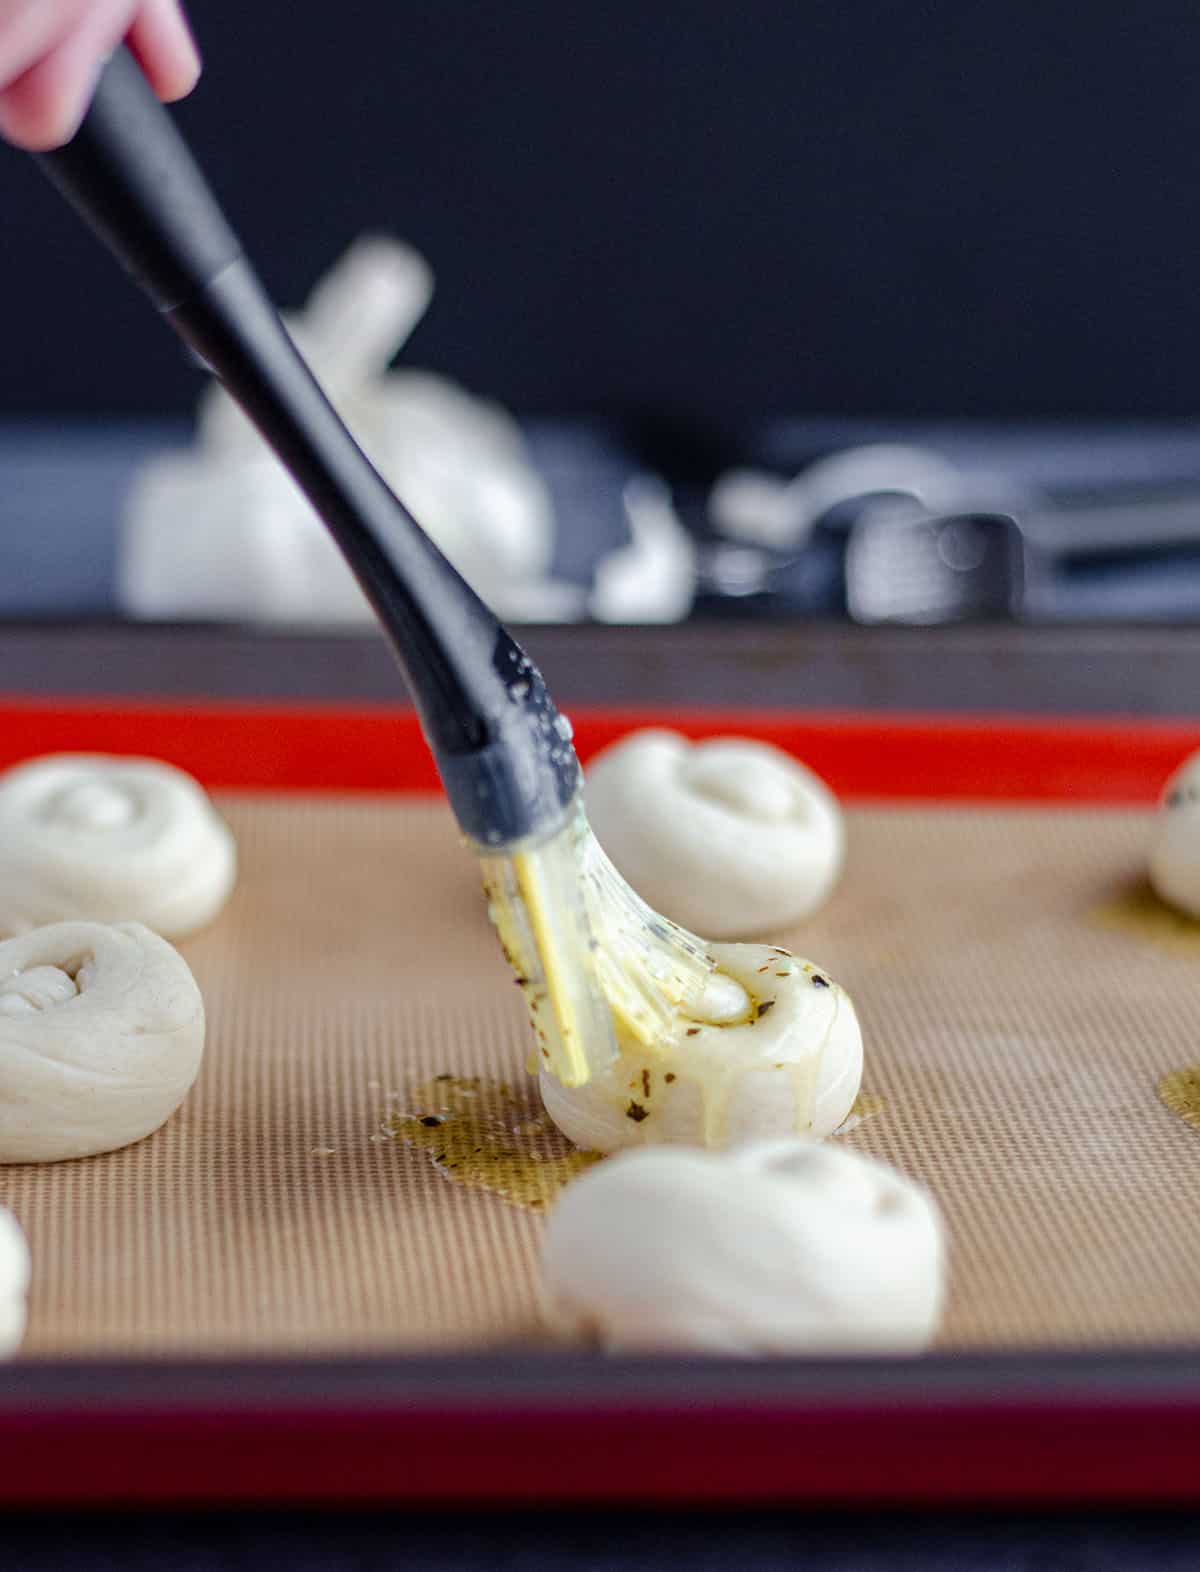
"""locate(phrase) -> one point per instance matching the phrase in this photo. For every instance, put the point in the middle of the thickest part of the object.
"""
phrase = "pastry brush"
(587, 952)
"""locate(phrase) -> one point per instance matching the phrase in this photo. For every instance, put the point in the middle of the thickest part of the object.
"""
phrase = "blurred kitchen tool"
(928, 569)
(760, 508)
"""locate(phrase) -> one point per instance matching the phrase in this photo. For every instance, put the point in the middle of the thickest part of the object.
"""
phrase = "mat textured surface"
(1015, 1040)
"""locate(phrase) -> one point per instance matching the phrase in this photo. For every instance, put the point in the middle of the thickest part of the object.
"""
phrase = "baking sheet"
(1013, 1037)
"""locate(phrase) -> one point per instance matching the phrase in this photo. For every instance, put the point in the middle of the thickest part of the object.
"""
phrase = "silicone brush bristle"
(590, 956)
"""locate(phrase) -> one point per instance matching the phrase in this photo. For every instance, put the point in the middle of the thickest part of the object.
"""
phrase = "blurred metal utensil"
(761, 509)
(916, 567)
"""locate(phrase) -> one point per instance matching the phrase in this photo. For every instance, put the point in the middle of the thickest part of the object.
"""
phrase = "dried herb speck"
(767, 1004)
(636, 1112)
(819, 982)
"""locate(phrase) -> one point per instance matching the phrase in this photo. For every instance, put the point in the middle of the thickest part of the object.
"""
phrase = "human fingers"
(165, 48)
(43, 106)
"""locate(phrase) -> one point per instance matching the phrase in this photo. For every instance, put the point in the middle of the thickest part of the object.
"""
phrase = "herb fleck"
(636, 1112)
(819, 982)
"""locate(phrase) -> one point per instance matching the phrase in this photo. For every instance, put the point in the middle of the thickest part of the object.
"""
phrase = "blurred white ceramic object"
(222, 531)
(653, 579)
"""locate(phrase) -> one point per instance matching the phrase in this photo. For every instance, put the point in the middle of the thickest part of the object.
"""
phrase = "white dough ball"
(110, 840)
(1175, 847)
(728, 838)
(101, 1035)
(777, 1247)
(785, 1056)
(14, 1283)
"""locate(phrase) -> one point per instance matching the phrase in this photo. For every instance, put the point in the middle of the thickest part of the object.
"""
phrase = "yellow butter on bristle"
(596, 964)
(568, 1056)
(537, 903)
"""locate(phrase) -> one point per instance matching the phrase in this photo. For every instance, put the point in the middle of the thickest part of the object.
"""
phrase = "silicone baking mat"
(1019, 1010)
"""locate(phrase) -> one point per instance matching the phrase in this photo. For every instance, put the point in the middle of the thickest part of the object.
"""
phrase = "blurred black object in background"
(714, 211)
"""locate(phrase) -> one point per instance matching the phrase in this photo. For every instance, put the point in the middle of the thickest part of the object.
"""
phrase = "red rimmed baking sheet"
(952, 1427)
(907, 757)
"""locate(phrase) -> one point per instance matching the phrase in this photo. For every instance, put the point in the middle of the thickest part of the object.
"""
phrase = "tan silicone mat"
(1016, 1044)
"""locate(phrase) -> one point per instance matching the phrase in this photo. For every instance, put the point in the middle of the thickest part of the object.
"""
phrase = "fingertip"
(36, 123)
(42, 108)
(166, 49)
(180, 83)
(177, 75)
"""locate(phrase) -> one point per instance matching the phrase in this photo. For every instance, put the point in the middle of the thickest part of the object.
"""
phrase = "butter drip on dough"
(774, 1049)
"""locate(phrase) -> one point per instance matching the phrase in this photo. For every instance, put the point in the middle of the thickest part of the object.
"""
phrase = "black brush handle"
(129, 172)
(486, 713)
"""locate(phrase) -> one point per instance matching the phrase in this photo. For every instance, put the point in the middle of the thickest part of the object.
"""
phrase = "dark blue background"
(706, 209)
(614, 1540)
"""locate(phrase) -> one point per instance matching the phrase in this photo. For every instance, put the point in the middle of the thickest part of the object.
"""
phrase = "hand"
(52, 51)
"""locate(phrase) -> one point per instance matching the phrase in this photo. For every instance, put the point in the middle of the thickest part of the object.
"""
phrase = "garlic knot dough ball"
(101, 1036)
(1175, 846)
(776, 1247)
(774, 1048)
(14, 1282)
(728, 838)
(110, 840)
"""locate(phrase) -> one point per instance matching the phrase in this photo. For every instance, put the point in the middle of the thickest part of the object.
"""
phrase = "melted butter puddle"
(1140, 912)
(866, 1106)
(1180, 1091)
(488, 1136)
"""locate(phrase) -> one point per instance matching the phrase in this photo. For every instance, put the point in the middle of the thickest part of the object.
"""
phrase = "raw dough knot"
(728, 838)
(111, 840)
